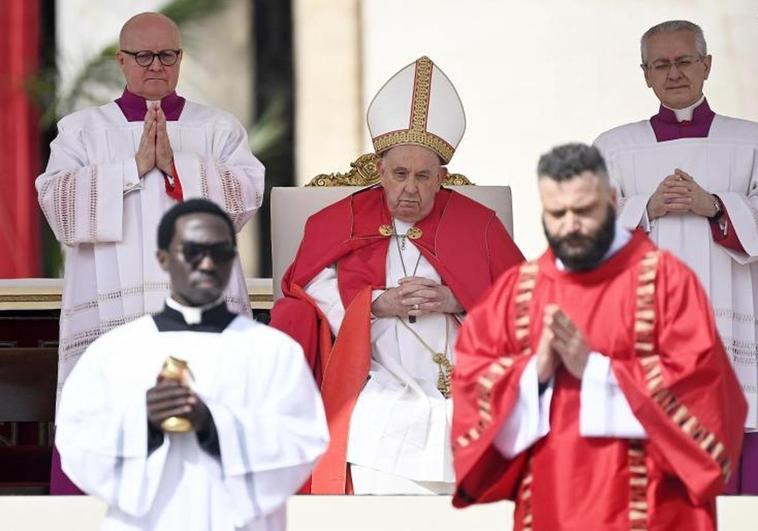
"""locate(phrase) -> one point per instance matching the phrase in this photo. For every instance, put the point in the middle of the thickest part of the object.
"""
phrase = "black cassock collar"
(214, 319)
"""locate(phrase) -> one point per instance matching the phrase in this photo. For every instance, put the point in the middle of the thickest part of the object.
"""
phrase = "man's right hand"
(425, 296)
(145, 157)
(416, 296)
(547, 359)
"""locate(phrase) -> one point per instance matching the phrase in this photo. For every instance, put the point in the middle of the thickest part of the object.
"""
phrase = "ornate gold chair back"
(363, 172)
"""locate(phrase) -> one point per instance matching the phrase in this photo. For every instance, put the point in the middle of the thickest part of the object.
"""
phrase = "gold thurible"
(175, 369)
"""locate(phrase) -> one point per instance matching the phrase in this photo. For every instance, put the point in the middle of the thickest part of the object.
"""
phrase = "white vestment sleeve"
(270, 445)
(375, 294)
(633, 211)
(604, 410)
(743, 213)
(324, 291)
(632, 208)
(103, 446)
(230, 175)
(645, 223)
(529, 420)
(79, 198)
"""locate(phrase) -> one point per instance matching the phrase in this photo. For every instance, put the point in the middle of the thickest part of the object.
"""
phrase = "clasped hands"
(170, 398)
(679, 193)
(416, 296)
(561, 342)
(154, 148)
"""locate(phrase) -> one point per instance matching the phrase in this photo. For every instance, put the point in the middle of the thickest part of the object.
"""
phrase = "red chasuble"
(645, 310)
(463, 240)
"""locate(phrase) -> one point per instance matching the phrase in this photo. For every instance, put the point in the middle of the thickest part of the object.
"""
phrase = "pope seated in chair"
(378, 289)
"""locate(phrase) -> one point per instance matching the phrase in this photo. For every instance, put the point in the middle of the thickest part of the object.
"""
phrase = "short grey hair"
(670, 26)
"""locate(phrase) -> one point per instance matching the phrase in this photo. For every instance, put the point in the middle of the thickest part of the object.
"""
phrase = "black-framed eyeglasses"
(221, 253)
(146, 57)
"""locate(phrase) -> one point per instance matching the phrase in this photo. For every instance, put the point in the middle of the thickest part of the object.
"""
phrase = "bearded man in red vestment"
(591, 386)
(378, 289)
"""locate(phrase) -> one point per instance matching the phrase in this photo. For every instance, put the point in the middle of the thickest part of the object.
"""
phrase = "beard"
(580, 252)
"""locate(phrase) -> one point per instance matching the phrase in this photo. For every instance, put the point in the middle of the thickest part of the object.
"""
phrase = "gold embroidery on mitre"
(422, 85)
(417, 133)
(422, 138)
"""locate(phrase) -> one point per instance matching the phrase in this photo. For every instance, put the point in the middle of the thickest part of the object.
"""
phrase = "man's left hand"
(424, 295)
(568, 341)
(164, 155)
(702, 203)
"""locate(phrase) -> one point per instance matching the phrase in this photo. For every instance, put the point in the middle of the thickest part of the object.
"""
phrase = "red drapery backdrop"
(19, 155)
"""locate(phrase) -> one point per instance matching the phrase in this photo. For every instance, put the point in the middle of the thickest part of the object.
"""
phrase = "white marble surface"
(331, 513)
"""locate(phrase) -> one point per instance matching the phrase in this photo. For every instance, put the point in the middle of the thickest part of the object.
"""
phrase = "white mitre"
(418, 105)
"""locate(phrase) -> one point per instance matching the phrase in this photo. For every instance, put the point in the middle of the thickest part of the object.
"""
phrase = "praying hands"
(154, 147)
(561, 342)
(680, 193)
(416, 296)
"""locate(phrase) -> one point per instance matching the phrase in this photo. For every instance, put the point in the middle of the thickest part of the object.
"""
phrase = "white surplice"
(401, 422)
(265, 405)
(107, 216)
(726, 164)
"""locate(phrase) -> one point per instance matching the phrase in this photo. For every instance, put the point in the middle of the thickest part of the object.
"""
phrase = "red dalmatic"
(464, 241)
(649, 314)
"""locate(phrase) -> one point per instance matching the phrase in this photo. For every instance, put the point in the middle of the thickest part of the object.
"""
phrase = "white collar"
(620, 239)
(686, 113)
(192, 314)
(401, 226)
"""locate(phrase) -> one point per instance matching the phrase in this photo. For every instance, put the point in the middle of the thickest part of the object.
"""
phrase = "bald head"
(143, 23)
(150, 33)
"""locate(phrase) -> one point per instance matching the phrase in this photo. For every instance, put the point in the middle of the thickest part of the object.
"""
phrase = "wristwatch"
(719, 209)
